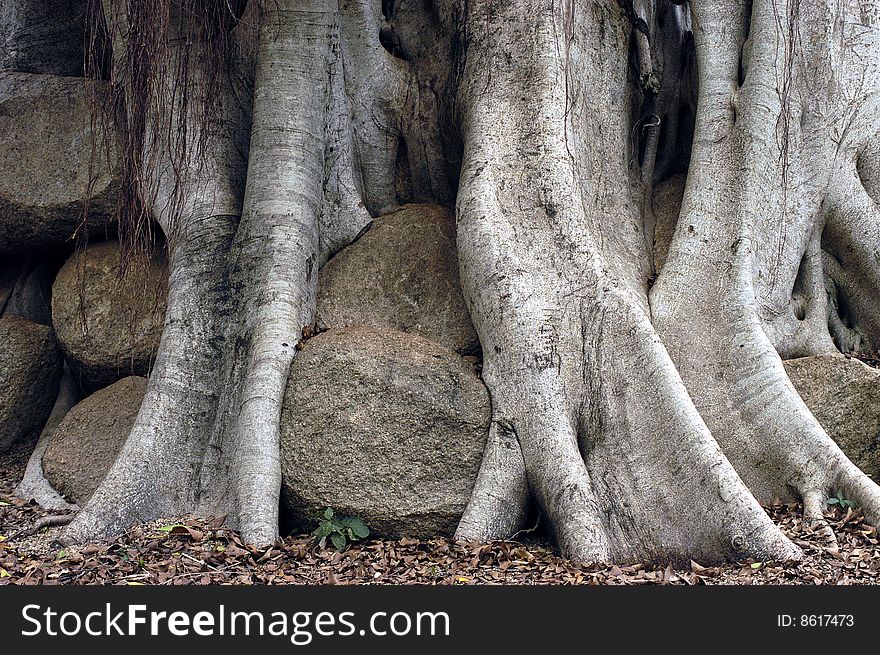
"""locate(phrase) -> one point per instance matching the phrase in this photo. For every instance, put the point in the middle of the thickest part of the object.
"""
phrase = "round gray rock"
(109, 327)
(844, 395)
(30, 368)
(88, 439)
(385, 426)
(46, 161)
(401, 275)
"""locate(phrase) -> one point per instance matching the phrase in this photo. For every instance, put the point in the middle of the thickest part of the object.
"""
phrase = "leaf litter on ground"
(188, 551)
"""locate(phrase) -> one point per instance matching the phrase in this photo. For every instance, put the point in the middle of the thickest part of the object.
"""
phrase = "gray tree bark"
(645, 409)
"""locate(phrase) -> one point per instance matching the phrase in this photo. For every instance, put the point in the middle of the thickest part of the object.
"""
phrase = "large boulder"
(42, 36)
(401, 275)
(109, 327)
(88, 439)
(51, 150)
(30, 368)
(386, 426)
(844, 395)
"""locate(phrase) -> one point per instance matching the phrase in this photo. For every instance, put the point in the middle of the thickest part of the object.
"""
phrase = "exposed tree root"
(852, 242)
(570, 301)
(647, 421)
(29, 297)
(241, 289)
(197, 204)
(274, 260)
(53, 521)
(34, 485)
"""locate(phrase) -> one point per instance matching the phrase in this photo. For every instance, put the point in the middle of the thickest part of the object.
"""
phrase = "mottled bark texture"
(646, 410)
(660, 412)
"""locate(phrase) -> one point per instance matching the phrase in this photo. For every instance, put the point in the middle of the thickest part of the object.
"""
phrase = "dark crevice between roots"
(389, 38)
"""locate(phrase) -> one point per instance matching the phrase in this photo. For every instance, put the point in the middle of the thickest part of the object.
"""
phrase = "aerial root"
(814, 516)
(856, 486)
(500, 498)
(46, 522)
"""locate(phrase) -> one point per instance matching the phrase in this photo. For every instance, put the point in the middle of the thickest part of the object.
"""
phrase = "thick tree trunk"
(645, 410)
(240, 293)
(764, 160)
(275, 256)
(556, 280)
(555, 264)
(158, 470)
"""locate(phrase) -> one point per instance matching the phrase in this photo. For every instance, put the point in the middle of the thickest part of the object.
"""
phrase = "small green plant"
(840, 501)
(339, 530)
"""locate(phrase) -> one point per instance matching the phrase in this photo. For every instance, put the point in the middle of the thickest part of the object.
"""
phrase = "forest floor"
(189, 551)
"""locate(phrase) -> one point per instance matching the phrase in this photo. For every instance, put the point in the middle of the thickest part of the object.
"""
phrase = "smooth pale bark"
(554, 265)
(156, 472)
(242, 287)
(762, 166)
(34, 485)
(274, 256)
(646, 411)
(752, 213)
